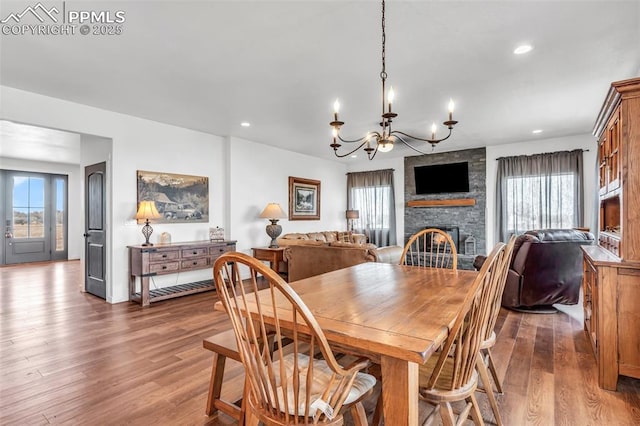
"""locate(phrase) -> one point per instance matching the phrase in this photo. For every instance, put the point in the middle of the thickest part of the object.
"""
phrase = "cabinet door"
(603, 158)
(613, 162)
(590, 295)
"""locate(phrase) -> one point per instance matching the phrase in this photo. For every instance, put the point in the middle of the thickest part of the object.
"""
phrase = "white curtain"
(539, 191)
(371, 193)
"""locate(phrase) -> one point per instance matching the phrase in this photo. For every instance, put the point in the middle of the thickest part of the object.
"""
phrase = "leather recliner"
(546, 268)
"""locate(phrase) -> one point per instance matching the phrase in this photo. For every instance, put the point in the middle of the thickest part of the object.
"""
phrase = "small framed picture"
(304, 199)
(216, 234)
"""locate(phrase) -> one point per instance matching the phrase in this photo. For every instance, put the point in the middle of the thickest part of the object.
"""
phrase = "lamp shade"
(353, 214)
(147, 210)
(273, 211)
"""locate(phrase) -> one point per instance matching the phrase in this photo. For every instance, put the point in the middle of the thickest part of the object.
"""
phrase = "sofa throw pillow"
(318, 236)
(358, 238)
(330, 236)
(344, 237)
(295, 236)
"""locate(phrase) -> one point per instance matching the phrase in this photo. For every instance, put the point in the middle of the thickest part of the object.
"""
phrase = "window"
(28, 207)
(361, 198)
(371, 193)
(539, 192)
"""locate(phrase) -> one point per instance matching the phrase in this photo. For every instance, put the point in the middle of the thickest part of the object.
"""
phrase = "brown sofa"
(319, 252)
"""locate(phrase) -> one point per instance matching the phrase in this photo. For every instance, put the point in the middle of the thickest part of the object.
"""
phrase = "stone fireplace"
(465, 218)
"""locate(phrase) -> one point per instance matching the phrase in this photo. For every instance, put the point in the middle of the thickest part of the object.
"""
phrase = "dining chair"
(485, 362)
(452, 375)
(301, 383)
(430, 248)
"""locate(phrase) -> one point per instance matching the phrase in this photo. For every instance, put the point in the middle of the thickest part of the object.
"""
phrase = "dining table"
(394, 314)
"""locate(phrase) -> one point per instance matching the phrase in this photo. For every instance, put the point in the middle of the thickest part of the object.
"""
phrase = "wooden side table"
(272, 255)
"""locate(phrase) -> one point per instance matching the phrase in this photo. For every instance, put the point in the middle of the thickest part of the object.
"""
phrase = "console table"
(162, 259)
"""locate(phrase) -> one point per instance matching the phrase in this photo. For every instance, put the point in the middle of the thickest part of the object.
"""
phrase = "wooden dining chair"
(303, 384)
(430, 248)
(452, 376)
(485, 362)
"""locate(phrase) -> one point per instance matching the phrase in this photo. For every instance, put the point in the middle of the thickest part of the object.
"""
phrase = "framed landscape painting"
(178, 198)
(304, 199)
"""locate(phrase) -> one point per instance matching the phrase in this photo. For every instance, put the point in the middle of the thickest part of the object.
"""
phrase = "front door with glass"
(35, 216)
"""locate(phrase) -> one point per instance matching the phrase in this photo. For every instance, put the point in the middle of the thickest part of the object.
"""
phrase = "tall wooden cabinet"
(612, 268)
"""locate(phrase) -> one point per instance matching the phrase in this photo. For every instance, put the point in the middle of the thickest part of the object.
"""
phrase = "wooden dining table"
(397, 315)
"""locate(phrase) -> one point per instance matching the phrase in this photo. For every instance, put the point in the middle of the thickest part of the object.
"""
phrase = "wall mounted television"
(442, 178)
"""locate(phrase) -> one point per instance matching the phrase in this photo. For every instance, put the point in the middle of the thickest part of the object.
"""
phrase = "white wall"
(73, 171)
(259, 174)
(381, 163)
(586, 141)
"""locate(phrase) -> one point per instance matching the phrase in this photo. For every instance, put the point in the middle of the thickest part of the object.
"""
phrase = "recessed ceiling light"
(522, 49)
(535, 132)
(354, 156)
(245, 124)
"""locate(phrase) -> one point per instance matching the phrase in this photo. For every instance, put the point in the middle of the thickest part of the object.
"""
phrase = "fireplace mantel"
(456, 202)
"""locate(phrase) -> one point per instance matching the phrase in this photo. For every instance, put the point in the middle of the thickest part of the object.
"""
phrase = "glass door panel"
(59, 217)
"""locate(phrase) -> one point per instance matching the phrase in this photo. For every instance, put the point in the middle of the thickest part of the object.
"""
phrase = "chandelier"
(385, 139)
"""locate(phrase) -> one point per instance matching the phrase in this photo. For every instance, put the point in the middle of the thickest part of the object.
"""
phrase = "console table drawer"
(164, 267)
(199, 263)
(164, 255)
(194, 252)
(218, 250)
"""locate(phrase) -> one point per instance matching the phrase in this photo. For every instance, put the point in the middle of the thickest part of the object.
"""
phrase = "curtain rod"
(370, 171)
(542, 153)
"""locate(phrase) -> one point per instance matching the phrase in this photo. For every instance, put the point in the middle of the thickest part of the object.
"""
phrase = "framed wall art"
(178, 198)
(304, 199)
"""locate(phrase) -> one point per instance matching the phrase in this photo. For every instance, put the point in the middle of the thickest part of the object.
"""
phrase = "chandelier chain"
(383, 73)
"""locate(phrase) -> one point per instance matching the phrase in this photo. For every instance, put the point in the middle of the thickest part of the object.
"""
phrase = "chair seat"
(322, 376)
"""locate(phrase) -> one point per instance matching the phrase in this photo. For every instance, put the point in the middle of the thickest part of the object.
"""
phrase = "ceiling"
(209, 65)
(38, 144)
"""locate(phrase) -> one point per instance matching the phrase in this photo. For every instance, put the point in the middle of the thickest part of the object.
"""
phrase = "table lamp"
(147, 210)
(351, 216)
(273, 212)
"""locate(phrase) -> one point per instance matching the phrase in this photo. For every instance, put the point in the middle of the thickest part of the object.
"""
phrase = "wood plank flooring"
(67, 357)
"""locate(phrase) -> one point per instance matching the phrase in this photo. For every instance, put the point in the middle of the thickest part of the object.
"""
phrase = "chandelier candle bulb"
(434, 128)
(451, 106)
(391, 97)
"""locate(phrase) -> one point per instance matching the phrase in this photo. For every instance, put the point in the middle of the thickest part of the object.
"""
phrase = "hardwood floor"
(67, 357)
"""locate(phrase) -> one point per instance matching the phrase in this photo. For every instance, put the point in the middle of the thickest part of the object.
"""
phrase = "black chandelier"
(384, 140)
